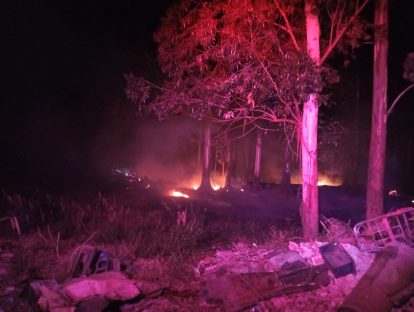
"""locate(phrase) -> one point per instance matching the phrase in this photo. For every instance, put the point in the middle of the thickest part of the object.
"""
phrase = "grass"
(170, 234)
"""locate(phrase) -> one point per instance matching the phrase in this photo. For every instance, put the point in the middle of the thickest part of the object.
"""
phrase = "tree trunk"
(309, 134)
(258, 157)
(199, 147)
(376, 165)
(229, 162)
(244, 162)
(286, 168)
(206, 174)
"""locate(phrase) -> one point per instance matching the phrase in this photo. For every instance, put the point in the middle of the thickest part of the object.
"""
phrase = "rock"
(110, 285)
(275, 262)
(390, 272)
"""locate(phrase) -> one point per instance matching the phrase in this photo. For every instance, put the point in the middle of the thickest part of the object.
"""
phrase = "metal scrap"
(376, 233)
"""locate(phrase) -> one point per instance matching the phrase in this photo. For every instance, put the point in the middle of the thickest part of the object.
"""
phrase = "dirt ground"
(161, 240)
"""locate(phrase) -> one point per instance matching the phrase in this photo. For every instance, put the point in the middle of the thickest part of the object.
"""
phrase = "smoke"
(168, 151)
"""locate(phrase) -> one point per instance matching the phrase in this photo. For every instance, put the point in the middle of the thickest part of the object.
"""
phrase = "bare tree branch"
(341, 31)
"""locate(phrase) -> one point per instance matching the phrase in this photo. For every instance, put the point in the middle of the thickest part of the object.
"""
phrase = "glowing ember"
(322, 181)
(179, 194)
(193, 182)
(393, 193)
(215, 187)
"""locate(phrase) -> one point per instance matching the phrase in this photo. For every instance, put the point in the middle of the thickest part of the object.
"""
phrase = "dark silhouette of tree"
(380, 113)
(376, 164)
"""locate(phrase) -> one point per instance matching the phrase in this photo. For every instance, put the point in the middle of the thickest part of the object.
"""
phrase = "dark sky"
(62, 64)
(62, 71)
(60, 46)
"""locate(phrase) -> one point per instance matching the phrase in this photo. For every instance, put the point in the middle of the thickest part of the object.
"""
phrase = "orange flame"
(179, 194)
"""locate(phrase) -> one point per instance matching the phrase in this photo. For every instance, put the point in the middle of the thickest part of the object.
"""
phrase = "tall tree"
(309, 133)
(206, 170)
(258, 156)
(251, 61)
(376, 164)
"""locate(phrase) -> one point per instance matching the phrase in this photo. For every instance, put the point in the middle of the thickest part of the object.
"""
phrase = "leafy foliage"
(409, 67)
(230, 60)
(242, 60)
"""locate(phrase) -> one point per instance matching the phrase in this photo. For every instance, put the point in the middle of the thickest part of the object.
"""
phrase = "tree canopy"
(250, 61)
(240, 60)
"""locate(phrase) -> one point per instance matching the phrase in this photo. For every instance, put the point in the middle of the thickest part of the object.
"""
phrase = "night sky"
(62, 84)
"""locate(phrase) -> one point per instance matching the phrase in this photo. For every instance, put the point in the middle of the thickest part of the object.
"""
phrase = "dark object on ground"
(391, 272)
(124, 178)
(90, 260)
(237, 292)
(93, 305)
(338, 260)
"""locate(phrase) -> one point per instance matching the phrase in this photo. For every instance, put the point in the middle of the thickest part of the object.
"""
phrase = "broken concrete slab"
(391, 271)
(86, 292)
(110, 285)
(276, 261)
(308, 251)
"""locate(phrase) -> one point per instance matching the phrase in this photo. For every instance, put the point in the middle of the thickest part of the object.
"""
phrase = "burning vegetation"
(237, 200)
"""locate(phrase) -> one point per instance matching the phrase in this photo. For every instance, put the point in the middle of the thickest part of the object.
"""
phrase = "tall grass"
(163, 228)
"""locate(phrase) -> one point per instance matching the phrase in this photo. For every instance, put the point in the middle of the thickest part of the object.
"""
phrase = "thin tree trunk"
(309, 134)
(286, 168)
(199, 147)
(245, 168)
(229, 162)
(258, 157)
(376, 165)
(206, 174)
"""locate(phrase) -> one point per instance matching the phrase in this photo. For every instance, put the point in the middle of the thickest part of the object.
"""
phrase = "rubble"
(90, 260)
(264, 274)
(325, 276)
(391, 272)
(339, 261)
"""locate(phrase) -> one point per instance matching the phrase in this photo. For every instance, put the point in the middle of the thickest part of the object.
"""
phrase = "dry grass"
(171, 234)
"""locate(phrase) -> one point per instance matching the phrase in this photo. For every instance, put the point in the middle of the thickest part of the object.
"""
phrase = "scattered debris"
(376, 233)
(90, 260)
(390, 273)
(334, 274)
(339, 261)
(337, 230)
(308, 251)
(237, 292)
(264, 274)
